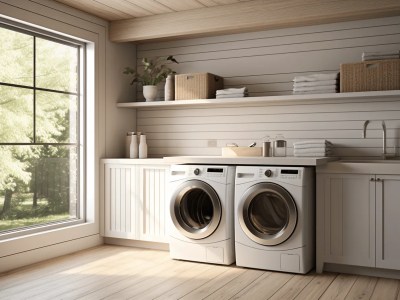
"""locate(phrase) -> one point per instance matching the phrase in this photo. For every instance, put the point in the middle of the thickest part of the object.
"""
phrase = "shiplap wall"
(266, 62)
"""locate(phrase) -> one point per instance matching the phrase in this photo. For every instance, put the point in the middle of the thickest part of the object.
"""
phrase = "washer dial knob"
(196, 171)
(268, 173)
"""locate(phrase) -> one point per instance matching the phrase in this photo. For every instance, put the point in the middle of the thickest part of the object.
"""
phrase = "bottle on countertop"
(128, 139)
(143, 147)
(134, 149)
(279, 146)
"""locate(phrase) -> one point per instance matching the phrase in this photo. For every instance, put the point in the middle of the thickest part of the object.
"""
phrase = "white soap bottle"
(128, 140)
(133, 149)
(143, 147)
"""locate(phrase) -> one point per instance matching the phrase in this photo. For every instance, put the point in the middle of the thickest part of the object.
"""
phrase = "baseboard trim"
(137, 244)
(385, 273)
(33, 256)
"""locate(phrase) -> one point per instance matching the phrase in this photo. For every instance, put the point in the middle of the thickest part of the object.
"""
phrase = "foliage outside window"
(40, 144)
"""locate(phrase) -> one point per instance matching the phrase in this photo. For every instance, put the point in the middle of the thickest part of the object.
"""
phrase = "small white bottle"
(169, 90)
(128, 139)
(133, 149)
(143, 147)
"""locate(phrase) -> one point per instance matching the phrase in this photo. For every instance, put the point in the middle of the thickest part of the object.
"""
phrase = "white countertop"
(388, 167)
(223, 160)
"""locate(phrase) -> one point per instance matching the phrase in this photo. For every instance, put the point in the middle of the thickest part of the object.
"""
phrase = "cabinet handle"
(378, 179)
(372, 179)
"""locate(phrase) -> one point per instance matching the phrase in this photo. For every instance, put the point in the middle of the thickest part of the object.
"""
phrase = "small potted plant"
(154, 71)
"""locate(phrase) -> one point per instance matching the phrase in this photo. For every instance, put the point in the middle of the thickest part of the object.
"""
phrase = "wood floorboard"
(362, 288)
(115, 272)
(293, 287)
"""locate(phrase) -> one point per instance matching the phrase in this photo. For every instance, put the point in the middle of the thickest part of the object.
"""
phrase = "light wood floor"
(113, 272)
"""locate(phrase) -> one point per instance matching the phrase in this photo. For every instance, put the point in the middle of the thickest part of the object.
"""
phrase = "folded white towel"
(315, 88)
(313, 150)
(313, 146)
(231, 96)
(316, 92)
(316, 77)
(312, 142)
(316, 154)
(315, 83)
(232, 91)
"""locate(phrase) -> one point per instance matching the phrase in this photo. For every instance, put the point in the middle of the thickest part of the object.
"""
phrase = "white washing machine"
(201, 223)
(275, 217)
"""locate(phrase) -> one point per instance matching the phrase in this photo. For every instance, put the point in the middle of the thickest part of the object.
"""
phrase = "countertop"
(222, 160)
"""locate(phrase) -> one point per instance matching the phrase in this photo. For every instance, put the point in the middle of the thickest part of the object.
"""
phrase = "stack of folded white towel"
(314, 148)
(316, 84)
(232, 93)
(366, 56)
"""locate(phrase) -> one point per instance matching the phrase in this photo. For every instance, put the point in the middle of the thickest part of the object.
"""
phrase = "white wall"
(266, 62)
(110, 123)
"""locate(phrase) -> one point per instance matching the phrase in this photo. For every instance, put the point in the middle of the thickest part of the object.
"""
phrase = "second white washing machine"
(200, 221)
(274, 218)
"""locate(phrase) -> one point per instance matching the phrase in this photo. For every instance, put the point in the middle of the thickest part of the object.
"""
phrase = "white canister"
(143, 147)
(169, 91)
(133, 149)
(128, 139)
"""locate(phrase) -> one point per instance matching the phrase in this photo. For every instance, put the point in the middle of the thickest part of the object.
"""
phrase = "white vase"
(169, 92)
(142, 147)
(133, 148)
(150, 92)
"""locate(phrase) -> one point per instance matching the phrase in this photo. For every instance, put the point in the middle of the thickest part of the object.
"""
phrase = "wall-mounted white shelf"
(378, 96)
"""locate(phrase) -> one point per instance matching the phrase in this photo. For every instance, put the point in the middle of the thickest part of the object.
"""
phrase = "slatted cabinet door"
(134, 205)
(153, 210)
(121, 187)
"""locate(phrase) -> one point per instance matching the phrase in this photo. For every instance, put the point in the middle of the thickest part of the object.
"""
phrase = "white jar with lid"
(279, 146)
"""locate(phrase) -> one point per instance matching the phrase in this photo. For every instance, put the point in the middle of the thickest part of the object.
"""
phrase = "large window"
(41, 125)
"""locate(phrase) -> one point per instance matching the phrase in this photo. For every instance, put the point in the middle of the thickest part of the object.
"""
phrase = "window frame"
(81, 130)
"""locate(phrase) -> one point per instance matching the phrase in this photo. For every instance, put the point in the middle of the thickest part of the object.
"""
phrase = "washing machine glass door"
(195, 209)
(267, 214)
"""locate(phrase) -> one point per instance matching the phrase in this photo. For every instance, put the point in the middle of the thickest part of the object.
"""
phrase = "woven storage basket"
(197, 86)
(377, 75)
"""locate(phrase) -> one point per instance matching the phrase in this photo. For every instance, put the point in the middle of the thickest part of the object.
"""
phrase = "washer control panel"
(207, 171)
(281, 172)
(290, 173)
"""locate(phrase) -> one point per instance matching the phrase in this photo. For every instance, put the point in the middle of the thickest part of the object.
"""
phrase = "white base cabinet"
(388, 222)
(358, 220)
(134, 200)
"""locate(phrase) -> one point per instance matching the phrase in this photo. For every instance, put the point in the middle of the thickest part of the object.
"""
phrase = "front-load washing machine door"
(195, 209)
(267, 214)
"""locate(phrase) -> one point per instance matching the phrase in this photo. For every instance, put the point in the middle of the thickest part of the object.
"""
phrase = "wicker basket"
(197, 86)
(377, 75)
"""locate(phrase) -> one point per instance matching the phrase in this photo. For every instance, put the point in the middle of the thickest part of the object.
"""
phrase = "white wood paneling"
(134, 200)
(121, 195)
(266, 62)
(153, 197)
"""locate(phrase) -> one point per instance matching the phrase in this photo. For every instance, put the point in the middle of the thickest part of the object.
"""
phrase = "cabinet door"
(388, 222)
(349, 219)
(153, 182)
(121, 192)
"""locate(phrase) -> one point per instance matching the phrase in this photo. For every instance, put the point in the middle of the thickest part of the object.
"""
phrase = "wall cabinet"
(134, 200)
(358, 220)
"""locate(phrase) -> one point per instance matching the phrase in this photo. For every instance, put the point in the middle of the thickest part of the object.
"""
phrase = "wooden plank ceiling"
(112, 10)
(151, 20)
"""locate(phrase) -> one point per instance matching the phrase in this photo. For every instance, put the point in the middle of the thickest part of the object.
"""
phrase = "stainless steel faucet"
(384, 154)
